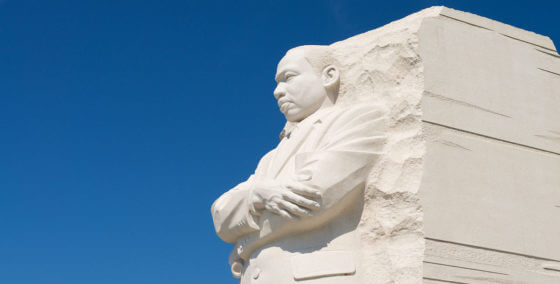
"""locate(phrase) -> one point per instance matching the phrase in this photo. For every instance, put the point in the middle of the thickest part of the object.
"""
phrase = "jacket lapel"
(288, 148)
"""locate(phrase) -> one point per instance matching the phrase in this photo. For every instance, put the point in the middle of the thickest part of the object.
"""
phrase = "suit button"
(240, 249)
(256, 273)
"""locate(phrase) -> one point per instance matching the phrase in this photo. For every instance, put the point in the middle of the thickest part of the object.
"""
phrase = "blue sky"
(122, 121)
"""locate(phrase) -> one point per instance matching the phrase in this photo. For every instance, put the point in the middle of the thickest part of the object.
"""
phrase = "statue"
(410, 155)
(295, 218)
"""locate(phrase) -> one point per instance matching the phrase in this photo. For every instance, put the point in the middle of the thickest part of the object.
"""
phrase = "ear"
(330, 76)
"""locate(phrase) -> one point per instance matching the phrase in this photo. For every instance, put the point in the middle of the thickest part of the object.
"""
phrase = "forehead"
(293, 60)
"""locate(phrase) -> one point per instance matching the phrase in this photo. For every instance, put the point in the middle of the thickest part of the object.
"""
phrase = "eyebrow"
(287, 69)
(279, 75)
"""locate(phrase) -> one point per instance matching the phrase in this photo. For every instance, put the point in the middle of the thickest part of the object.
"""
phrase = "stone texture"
(384, 66)
(468, 187)
(480, 81)
(475, 136)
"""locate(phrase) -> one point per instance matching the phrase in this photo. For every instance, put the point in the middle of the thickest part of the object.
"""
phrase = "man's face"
(299, 91)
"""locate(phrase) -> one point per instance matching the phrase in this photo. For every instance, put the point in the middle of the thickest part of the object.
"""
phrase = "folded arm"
(232, 215)
(337, 168)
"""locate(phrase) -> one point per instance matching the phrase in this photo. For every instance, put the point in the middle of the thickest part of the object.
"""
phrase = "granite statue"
(295, 217)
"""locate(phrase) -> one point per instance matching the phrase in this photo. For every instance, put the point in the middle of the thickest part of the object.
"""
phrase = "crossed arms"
(259, 211)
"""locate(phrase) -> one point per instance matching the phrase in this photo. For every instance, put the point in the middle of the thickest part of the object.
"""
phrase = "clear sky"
(122, 121)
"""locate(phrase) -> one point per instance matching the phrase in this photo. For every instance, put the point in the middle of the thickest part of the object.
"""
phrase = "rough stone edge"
(384, 66)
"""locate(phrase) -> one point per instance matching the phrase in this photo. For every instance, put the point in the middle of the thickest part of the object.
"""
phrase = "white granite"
(425, 150)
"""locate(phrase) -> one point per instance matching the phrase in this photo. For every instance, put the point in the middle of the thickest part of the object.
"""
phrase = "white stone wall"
(470, 180)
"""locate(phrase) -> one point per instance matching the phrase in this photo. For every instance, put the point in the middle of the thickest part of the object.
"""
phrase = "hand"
(289, 199)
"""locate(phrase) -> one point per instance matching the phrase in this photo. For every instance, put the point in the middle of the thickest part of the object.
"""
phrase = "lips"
(284, 105)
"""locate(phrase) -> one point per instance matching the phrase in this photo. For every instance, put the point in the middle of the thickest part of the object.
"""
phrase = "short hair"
(318, 56)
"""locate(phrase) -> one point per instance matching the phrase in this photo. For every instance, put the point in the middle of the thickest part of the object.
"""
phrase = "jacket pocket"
(322, 263)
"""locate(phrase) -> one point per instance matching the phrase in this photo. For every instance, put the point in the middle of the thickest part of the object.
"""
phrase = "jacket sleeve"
(231, 213)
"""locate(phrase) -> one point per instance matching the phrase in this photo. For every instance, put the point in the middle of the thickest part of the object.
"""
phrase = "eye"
(289, 76)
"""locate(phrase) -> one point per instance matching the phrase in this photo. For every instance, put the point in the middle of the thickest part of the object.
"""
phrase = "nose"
(280, 91)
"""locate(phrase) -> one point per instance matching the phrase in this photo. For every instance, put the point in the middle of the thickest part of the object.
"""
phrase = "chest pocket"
(322, 264)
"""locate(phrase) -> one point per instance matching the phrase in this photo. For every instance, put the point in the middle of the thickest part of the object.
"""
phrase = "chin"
(290, 118)
(294, 116)
(297, 116)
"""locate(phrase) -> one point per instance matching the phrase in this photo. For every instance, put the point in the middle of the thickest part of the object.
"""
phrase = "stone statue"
(295, 217)
(424, 151)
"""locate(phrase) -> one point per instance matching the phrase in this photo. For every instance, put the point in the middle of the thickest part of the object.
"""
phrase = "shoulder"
(357, 114)
(363, 108)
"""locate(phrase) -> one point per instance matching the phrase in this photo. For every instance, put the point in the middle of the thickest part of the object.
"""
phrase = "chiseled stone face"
(299, 91)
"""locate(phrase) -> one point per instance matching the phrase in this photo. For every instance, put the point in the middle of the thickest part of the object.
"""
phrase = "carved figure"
(294, 219)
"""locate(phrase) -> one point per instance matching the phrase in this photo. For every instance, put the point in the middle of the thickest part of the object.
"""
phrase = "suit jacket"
(336, 147)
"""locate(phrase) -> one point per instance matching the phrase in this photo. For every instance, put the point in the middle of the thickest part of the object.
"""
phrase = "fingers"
(278, 211)
(294, 209)
(304, 190)
(293, 200)
(301, 201)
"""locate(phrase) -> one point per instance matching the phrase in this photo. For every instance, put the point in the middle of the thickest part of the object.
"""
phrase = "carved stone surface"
(491, 183)
(425, 149)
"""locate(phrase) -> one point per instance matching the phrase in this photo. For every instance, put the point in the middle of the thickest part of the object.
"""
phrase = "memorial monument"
(424, 151)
